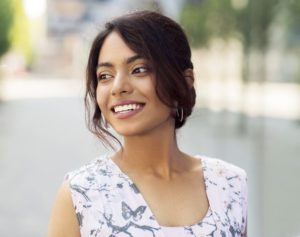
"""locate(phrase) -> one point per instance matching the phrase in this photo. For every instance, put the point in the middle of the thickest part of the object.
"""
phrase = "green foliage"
(20, 30)
(254, 22)
(250, 22)
(205, 19)
(292, 21)
(294, 13)
(14, 28)
(6, 20)
(194, 25)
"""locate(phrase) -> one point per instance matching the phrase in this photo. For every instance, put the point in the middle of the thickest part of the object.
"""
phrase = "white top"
(206, 226)
(109, 204)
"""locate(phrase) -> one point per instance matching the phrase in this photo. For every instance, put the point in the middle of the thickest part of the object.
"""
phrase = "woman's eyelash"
(103, 76)
(140, 70)
(137, 70)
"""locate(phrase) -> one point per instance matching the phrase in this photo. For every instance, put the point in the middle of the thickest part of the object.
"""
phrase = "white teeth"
(124, 108)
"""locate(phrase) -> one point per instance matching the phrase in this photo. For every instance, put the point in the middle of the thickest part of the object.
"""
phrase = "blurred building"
(68, 24)
(72, 24)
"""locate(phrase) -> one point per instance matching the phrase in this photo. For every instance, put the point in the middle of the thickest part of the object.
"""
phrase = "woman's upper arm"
(63, 221)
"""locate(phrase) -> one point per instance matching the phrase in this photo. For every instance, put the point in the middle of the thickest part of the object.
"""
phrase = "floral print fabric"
(108, 204)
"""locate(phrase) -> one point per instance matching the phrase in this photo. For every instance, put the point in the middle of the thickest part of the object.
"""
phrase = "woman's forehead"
(114, 48)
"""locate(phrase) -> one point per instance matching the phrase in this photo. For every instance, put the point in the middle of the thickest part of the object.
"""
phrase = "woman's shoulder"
(223, 176)
(226, 186)
(221, 168)
(90, 171)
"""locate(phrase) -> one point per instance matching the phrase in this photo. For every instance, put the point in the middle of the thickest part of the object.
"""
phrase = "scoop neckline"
(208, 213)
(142, 199)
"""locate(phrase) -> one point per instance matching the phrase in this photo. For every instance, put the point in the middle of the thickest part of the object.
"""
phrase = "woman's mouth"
(127, 110)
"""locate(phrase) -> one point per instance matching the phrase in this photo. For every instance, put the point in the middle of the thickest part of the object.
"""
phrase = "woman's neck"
(154, 153)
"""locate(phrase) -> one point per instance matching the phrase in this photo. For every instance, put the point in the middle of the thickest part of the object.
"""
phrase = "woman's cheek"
(102, 98)
(98, 97)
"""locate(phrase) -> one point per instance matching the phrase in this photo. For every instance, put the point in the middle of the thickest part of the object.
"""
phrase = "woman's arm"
(63, 221)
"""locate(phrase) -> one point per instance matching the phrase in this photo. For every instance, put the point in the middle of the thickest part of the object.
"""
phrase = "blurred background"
(247, 62)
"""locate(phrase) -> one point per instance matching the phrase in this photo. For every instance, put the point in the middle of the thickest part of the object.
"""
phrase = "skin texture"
(128, 81)
(170, 181)
(63, 222)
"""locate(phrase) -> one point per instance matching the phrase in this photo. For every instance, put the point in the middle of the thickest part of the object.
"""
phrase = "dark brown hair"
(164, 44)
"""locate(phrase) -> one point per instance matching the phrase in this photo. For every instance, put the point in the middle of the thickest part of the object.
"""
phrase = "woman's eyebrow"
(133, 58)
(127, 61)
(105, 64)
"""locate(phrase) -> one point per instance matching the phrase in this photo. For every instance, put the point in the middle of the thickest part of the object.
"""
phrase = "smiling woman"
(140, 82)
(153, 48)
(126, 90)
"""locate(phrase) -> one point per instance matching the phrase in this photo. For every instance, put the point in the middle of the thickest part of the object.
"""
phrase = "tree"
(14, 31)
(6, 21)
(207, 19)
(293, 17)
(20, 36)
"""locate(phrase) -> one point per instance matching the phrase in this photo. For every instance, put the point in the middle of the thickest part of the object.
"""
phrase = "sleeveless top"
(108, 204)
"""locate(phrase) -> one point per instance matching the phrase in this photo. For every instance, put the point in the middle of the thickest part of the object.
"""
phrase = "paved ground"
(42, 139)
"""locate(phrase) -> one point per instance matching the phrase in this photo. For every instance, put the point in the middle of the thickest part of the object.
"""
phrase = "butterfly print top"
(108, 204)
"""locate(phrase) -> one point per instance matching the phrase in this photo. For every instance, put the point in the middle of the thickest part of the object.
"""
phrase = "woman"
(140, 82)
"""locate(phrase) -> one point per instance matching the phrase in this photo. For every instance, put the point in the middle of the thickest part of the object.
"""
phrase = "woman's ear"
(189, 77)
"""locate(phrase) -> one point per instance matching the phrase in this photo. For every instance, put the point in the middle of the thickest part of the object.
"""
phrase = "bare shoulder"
(63, 221)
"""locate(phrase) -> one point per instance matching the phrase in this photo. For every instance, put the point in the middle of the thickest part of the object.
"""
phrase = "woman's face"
(126, 90)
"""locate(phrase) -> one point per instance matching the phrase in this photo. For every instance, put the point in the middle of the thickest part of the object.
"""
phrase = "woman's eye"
(140, 70)
(103, 76)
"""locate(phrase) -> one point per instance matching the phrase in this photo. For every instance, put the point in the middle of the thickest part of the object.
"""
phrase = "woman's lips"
(126, 108)
(128, 113)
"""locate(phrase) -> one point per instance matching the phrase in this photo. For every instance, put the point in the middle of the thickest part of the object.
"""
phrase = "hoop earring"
(179, 114)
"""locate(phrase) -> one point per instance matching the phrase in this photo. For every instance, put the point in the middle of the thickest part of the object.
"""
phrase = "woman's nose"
(121, 85)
